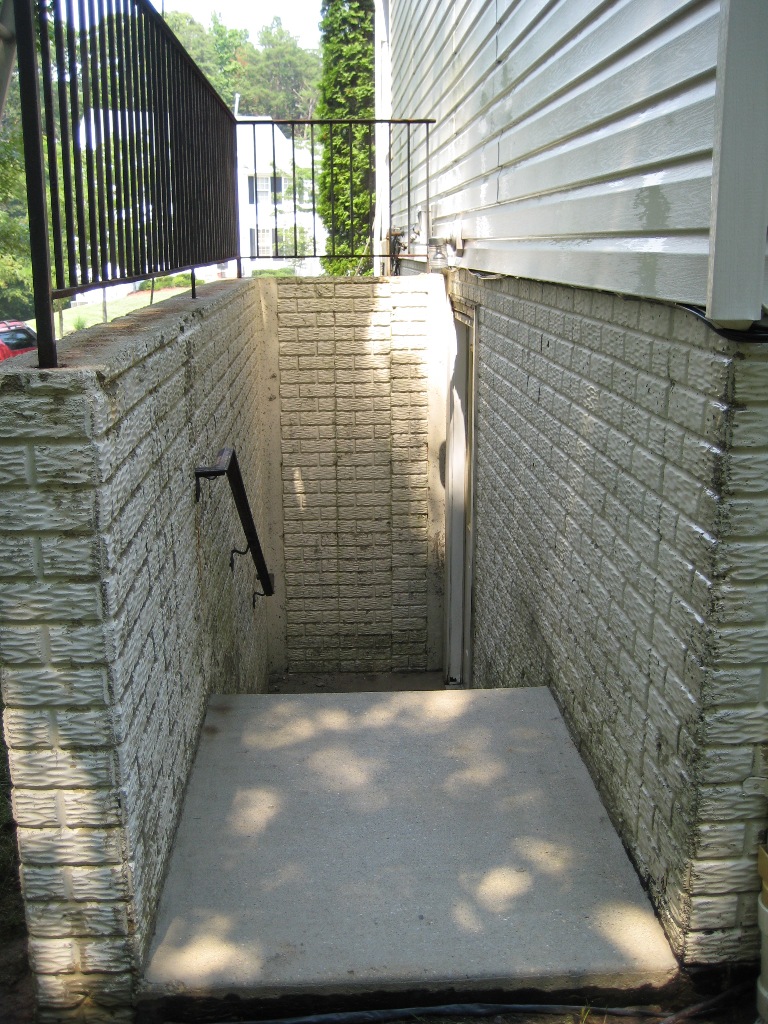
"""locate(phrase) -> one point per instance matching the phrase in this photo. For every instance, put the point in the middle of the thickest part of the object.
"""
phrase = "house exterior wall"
(119, 612)
(621, 512)
(574, 141)
(362, 410)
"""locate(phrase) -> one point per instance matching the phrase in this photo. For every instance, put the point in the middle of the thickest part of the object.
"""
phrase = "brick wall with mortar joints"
(723, 905)
(353, 407)
(103, 685)
(602, 426)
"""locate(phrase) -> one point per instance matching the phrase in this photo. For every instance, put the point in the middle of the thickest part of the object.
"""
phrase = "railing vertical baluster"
(81, 270)
(66, 145)
(116, 126)
(389, 158)
(408, 180)
(92, 262)
(26, 48)
(148, 145)
(426, 172)
(97, 111)
(107, 116)
(161, 128)
(124, 55)
(256, 190)
(50, 136)
(273, 184)
(182, 164)
(351, 192)
(232, 208)
(333, 193)
(372, 190)
(139, 133)
(295, 190)
(314, 205)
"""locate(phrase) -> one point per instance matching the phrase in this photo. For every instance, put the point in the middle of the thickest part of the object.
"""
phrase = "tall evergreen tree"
(347, 90)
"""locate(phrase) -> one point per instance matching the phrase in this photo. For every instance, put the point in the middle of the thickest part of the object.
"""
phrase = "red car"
(15, 338)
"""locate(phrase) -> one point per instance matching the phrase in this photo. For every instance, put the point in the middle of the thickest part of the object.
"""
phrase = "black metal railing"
(130, 153)
(308, 188)
(227, 465)
(133, 164)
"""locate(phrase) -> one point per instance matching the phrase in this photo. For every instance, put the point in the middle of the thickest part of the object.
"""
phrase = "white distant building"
(277, 220)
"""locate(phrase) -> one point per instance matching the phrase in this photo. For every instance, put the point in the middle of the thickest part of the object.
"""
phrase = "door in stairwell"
(459, 503)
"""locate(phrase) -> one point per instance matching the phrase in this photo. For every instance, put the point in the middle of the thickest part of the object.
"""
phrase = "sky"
(300, 17)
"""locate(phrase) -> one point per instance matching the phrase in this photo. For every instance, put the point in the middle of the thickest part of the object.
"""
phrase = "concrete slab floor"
(356, 682)
(441, 842)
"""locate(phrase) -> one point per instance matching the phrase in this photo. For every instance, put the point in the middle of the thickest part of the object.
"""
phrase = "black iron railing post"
(34, 164)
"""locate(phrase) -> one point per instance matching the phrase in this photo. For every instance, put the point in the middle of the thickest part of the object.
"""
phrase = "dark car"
(15, 338)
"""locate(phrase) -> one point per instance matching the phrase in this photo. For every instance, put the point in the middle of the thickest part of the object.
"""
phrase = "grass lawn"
(78, 318)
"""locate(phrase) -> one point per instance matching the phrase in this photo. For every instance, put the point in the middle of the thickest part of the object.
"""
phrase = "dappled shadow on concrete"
(365, 842)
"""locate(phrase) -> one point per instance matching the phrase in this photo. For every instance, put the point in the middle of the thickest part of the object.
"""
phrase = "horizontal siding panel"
(424, 55)
(671, 269)
(521, 48)
(562, 121)
(629, 86)
(669, 136)
(599, 32)
(494, 106)
(662, 137)
(651, 203)
(421, 86)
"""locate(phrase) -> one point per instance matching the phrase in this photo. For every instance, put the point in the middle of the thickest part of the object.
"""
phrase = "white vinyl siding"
(573, 140)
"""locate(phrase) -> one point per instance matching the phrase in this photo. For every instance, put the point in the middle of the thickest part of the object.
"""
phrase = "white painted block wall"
(362, 418)
(621, 539)
(119, 613)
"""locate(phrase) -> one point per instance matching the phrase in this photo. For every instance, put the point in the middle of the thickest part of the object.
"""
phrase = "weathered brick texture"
(359, 366)
(621, 538)
(119, 612)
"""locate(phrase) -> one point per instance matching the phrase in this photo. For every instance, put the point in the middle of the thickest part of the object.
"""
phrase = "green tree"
(280, 78)
(228, 46)
(16, 297)
(219, 52)
(347, 90)
(276, 77)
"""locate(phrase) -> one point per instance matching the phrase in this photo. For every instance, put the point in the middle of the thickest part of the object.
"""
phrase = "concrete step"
(342, 849)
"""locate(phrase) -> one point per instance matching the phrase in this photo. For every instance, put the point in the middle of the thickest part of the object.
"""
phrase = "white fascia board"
(739, 179)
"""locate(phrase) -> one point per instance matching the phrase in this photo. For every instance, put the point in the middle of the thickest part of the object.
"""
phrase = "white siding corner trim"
(735, 285)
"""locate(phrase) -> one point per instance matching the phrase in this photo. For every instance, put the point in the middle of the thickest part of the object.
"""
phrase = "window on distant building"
(268, 188)
(267, 242)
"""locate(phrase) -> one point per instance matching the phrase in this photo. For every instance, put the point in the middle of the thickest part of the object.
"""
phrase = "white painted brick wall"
(358, 365)
(621, 539)
(119, 612)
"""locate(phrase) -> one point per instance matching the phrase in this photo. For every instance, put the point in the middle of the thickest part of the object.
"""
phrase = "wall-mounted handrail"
(227, 465)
